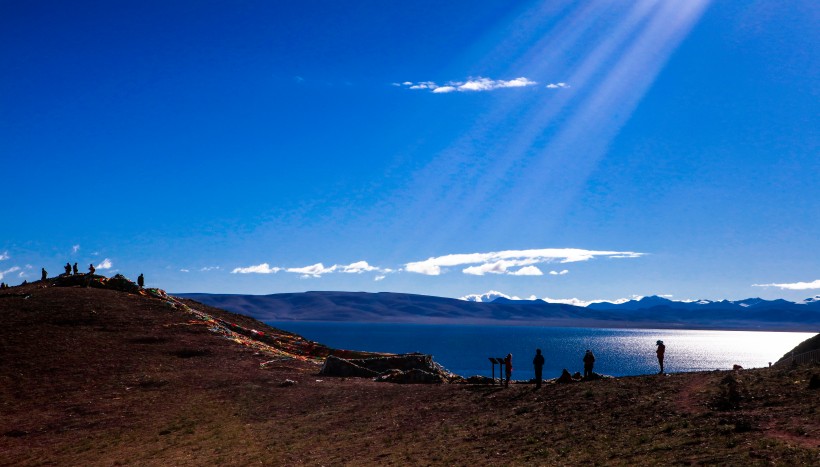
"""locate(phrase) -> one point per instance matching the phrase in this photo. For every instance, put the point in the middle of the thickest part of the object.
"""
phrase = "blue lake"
(463, 349)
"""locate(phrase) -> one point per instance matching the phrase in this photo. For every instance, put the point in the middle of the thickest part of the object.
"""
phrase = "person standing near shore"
(538, 364)
(589, 362)
(660, 352)
(508, 368)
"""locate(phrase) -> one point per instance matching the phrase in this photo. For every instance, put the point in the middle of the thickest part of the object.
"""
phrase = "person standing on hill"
(538, 365)
(660, 352)
(67, 269)
(141, 281)
(76, 269)
(589, 362)
(43, 274)
(91, 269)
(508, 369)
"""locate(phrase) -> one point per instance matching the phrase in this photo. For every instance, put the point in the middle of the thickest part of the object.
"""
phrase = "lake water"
(463, 349)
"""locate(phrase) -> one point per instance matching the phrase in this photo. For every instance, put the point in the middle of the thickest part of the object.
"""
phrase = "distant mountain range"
(648, 312)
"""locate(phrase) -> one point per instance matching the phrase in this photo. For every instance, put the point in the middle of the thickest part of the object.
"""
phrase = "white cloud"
(184, 270)
(793, 286)
(75, 248)
(559, 273)
(9, 271)
(358, 267)
(497, 262)
(478, 84)
(210, 268)
(528, 271)
(106, 264)
(379, 278)
(4, 256)
(497, 267)
(315, 270)
(263, 268)
(558, 85)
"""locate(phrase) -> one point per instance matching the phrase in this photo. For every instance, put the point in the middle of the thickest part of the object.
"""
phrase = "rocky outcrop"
(406, 368)
(335, 366)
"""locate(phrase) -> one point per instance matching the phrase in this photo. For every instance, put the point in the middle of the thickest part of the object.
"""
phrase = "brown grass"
(98, 377)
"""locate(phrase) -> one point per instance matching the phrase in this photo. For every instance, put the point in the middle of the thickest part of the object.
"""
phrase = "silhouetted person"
(91, 269)
(538, 365)
(67, 269)
(76, 269)
(43, 274)
(589, 362)
(508, 368)
(660, 351)
(140, 281)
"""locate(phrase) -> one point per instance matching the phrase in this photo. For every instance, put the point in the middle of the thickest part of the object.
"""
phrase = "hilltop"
(99, 376)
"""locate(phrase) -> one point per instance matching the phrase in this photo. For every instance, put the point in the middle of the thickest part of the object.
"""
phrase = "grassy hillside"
(101, 377)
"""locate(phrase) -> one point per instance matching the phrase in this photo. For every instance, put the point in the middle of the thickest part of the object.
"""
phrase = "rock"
(814, 381)
(335, 366)
(287, 383)
(565, 377)
(476, 379)
(407, 368)
(414, 376)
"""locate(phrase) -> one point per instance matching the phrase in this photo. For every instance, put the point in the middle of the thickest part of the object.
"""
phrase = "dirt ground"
(100, 377)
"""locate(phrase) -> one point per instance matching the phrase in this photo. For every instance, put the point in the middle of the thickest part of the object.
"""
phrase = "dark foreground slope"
(651, 312)
(99, 377)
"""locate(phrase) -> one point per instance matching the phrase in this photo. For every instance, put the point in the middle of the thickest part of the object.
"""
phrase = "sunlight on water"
(619, 352)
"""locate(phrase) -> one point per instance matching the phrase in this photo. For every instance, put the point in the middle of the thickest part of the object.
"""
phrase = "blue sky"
(589, 150)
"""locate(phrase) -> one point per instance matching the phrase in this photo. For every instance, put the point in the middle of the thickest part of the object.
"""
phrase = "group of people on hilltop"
(588, 359)
(69, 269)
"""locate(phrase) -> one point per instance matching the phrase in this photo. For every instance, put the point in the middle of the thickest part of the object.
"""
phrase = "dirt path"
(690, 398)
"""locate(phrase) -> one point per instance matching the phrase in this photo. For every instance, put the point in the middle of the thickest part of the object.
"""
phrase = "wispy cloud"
(105, 264)
(9, 271)
(184, 270)
(358, 268)
(558, 86)
(562, 272)
(499, 262)
(75, 248)
(793, 286)
(315, 270)
(478, 84)
(210, 268)
(4, 256)
(263, 268)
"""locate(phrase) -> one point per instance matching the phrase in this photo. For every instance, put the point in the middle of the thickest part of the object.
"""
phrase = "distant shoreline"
(563, 324)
